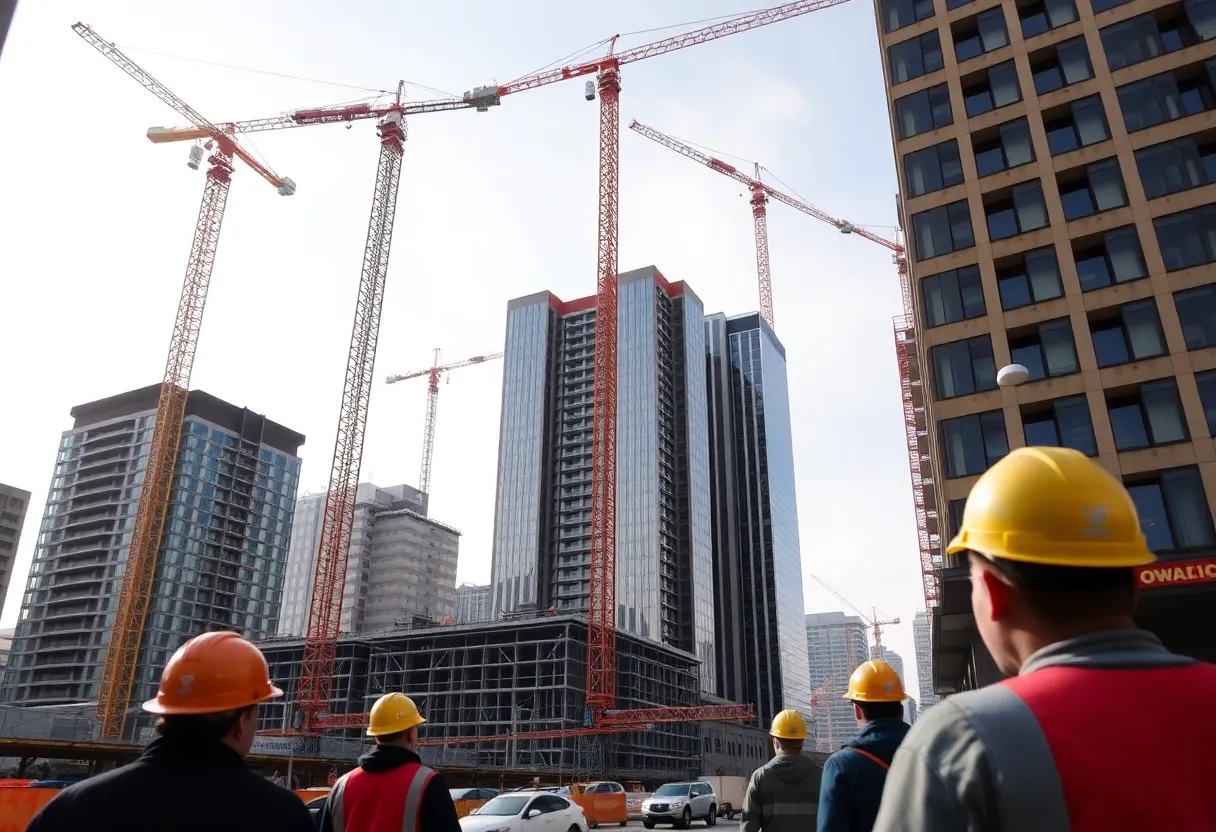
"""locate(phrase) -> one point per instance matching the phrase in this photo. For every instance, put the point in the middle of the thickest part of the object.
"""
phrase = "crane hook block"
(589, 90)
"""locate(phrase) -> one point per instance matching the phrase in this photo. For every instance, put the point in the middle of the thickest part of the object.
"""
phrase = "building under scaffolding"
(509, 677)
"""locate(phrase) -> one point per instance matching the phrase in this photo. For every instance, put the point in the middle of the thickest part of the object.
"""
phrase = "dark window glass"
(1197, 316)
(1168, 96)
(1024, 210)
(952, 296)
(1173, 510)
(1106, 5)
(942, 230)
(954, 511)
(933, 168)
(957, 4)
(923, 111)
(915, 57)
(961, 368)
(1077, 124)
(896, 14)
(1201, 15)
(991, 89)
(1047, 351)
(1148, 35)
(1131, 332)
(1206, 382)
(1060, 423)
(972, 444)
(1092, 189)
(1061, 64)
(1040, 16)
(1149, 414)
(1187, 238)
(1006, 146)
(1113, 257)
(1178, 165)
(978, 35)
(1033, 278)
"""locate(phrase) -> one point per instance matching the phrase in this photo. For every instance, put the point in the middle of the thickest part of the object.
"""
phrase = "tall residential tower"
(13, 505)
(836, 644)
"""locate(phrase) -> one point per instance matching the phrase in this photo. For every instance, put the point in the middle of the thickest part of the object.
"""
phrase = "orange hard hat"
(211, 673)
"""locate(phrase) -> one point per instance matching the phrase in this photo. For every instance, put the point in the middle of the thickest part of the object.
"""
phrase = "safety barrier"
(19, 805)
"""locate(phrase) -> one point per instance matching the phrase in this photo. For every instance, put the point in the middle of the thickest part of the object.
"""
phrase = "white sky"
(96, 225)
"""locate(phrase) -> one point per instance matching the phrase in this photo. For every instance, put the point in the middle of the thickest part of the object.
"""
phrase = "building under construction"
(514, 676)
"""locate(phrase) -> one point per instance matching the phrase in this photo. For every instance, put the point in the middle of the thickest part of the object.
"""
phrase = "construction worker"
(391, 789)
(1086, 732)
(783, 794)
(853, 777)
(207, 708)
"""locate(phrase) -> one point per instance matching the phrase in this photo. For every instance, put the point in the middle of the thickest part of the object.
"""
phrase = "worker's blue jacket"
(851, 789)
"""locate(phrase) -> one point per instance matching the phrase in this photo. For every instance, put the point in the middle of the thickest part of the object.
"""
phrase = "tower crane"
(135, 591)
(432, 405)
(928, 536)
(871, 620)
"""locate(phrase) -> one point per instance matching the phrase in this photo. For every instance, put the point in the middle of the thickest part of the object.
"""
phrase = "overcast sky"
(97, 224)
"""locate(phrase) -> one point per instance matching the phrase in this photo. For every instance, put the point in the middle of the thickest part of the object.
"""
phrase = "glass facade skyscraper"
(761, 651)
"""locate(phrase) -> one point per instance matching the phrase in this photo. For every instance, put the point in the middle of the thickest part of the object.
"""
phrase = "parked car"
(473, 793)
(680, 804)
(526, 811)
(314, 809)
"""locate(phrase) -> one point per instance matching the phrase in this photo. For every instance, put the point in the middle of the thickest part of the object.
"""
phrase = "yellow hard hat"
(788, 725)
(875, 681)
(392, 714)
(1055, 507)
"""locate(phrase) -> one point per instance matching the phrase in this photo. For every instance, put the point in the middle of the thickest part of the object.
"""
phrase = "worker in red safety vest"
(1099, 727)
(391, 790)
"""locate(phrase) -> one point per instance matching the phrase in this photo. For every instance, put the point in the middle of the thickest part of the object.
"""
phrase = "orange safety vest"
(381, 801)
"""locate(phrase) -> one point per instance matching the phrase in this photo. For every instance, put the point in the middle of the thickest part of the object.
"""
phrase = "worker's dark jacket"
(783, 795)
(435, 810)
(177, 785)
(1108, 731)
(852, 783)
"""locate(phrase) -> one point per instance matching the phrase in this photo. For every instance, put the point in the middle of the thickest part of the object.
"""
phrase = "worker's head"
(1054, 542)
(788, 732)
(210, 691)
(876, 692)
(394, 720)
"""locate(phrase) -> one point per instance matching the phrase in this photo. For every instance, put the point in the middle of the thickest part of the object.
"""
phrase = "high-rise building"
(472, 604)
(542, 517)
(222, 558)
(401, 567)
(761, 650)
(13, 504)
(921, 635)
(897, 664)
(1061, 215)
(910, 710)
(836, 644)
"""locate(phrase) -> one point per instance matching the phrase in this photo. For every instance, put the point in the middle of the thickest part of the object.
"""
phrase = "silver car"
(680, 804)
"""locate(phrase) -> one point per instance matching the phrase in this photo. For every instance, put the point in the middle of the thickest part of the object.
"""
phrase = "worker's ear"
(999, 592)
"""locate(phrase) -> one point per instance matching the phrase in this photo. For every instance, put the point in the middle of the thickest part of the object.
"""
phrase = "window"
(1106, 5)
(954, 512)
(974, 36)
(1146, 36)
(914, 57)
(1201, 14)
(1047, 350)
(1131, 332)
(1147, 415)
(952, 296)
(1023, 210)
(1057, 66)
(961, 368)
(991, 89)
(957, 4)
(1206, 382)
(896, 14)
(933, 168)
(1076, 124)
(974, 443)
(1187, 238)
(942, 230)
(1060, 423)
(1002, 147)
(1178, 165)
(1109, 258)
(1168, 96)
(1091, 189)
(1041, 16)
(1030, 277)
(1197, 316)
(1173, 510)
(923, 111)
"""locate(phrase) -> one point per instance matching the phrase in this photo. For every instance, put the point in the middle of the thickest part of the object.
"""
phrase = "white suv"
(680, 804)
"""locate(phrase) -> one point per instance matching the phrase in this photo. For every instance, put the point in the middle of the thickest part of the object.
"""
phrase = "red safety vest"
(381, 801)
(1134, 748)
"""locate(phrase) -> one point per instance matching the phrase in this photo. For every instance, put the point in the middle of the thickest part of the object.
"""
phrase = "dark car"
(315, 807)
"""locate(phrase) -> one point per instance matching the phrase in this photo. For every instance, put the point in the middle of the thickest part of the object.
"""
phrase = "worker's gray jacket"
(783, 795)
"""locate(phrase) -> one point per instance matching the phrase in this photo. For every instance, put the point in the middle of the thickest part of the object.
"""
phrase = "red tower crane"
(434, 373)
(928, 539)
(135, 592)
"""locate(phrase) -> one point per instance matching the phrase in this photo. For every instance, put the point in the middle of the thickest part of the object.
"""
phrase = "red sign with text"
(1178, 572)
